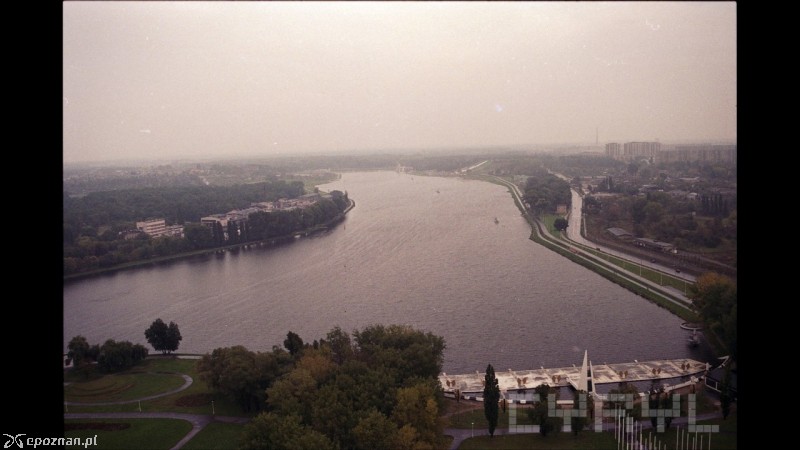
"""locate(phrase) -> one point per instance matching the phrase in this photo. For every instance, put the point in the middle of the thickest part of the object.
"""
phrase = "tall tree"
(117, 356)
(714, 297)
(293, 343)
(491, 398)
(164, 338)
(80, 352)
(78, 348)
(269, 430)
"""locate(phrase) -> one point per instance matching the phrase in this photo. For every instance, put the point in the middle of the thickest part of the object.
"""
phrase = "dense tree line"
(442, 163)
(112, 356)
(583, 164)
(714, 297)
(374, 389)
(516, 165)
(176, 204)
(91, 252)
(129, 179)
(544, 192)
(688, 224)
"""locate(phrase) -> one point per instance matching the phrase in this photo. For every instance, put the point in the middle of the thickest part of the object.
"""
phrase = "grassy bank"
(655, 295)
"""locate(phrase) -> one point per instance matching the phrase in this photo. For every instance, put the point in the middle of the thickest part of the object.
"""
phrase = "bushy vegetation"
(714, 297)
(544, 192)
(112, 356)
(376, 388)
(176, 204)
(86, 250)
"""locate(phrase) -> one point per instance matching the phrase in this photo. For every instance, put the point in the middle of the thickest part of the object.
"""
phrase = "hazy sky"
(199, 79)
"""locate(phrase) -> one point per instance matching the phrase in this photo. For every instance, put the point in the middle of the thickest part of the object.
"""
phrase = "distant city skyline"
(183, 80)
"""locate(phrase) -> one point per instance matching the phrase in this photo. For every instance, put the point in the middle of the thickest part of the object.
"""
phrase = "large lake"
(423, 251)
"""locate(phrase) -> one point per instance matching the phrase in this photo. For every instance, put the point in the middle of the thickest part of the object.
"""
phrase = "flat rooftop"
(568, 376)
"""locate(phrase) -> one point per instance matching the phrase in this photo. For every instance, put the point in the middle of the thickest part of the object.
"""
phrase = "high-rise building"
(703, 153)
(614, 150)
(638, 150)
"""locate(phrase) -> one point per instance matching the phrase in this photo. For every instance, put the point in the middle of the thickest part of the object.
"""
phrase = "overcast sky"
(201, 79)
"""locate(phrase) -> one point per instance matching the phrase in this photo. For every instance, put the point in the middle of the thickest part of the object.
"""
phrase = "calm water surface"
(422, 251)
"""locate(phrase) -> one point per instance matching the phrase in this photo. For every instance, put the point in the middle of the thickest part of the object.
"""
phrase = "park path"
(198, 421)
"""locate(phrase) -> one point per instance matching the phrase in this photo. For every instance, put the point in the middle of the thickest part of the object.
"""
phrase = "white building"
(153, 227)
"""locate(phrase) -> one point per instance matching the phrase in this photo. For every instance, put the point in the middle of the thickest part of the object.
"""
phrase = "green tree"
(242, 375)
(293, 343)
(78, 348)
(714, 297)
(653, 212)
(410, 352)
(80, 355)
(491, 399)
(164, 338)
(274, 432)
(293, 394)
(417, 406)
(340, 345)
(198, 235)
(560, 224)
(117, 356)
(375, 432)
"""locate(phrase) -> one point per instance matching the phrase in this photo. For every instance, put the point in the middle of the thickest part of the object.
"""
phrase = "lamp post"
(473, 429)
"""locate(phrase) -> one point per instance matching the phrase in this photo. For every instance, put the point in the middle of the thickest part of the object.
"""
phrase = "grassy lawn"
(465, 419)
(195, 400)
(121, 387)
(557, 441)
(216, 436)
(134, 433)
(549, 220)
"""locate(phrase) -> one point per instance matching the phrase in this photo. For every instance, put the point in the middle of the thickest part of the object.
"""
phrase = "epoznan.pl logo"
(13, 440)
(60, 441)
